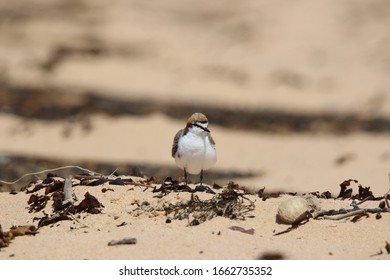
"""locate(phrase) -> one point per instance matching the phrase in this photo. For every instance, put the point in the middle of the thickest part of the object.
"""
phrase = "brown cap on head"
(197, 117)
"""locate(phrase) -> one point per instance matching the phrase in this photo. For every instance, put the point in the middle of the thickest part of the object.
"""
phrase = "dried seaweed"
(97, 180)
(58, 198)
(326, 195)
(37, 202)
(344, 191)
(358, 216)
(93, 182)
(169, 185)
(345, 213)
(48, 220)
(229, 203)
(204, 188)
(364, 193)
(89, 204)
(6, 237)
(63, 200)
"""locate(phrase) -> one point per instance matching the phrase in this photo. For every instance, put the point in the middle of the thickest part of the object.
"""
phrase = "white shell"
(297, 209)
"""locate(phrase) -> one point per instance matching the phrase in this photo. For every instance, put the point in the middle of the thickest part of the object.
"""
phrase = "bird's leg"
(185, 176)
(201, 177)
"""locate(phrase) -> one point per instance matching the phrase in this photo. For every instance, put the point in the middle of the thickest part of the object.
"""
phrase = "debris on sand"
(124, 241)
(230, 203)
(60, 191)
(6, 237)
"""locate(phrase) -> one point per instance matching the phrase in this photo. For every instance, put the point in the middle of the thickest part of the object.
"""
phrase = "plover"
(193, 147)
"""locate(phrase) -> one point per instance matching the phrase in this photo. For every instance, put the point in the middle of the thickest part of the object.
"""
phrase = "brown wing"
(176, 141)
(211, 139)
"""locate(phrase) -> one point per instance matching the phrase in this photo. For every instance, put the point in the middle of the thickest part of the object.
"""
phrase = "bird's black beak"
(201, 127)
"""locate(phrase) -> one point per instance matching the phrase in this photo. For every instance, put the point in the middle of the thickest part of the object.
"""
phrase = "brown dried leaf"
(37, 202)
(89, 204)
(344, 191)
(364, 193)
(56, 185)
(58, 198)
(23, 230)
(204, 188)
(357, 217)
(48, 220)
(6, 237)
(326, 195)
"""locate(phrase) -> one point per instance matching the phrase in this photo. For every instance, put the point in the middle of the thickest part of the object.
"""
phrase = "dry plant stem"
(88, 177)
(364, 200)
(103, 177)
(353, 212)
(50, 170)
(343, 216)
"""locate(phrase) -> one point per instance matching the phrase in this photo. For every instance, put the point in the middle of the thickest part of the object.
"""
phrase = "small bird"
(193, 147)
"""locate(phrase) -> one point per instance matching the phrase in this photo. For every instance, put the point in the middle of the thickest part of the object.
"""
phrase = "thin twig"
(49, 170)
(342, 214)
(88, 177)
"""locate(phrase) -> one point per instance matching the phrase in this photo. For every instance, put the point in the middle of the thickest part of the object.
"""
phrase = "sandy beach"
(297, 97)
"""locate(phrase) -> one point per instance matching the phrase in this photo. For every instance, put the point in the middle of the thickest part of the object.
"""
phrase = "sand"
(138, 212)
(89, 82)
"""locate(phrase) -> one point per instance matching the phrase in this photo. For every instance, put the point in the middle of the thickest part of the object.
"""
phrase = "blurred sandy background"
(297, 92)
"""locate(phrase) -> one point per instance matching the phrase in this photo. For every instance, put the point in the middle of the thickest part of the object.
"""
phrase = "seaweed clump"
(230, 203)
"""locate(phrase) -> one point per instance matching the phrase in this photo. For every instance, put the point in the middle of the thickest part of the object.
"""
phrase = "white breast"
(195, 152)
